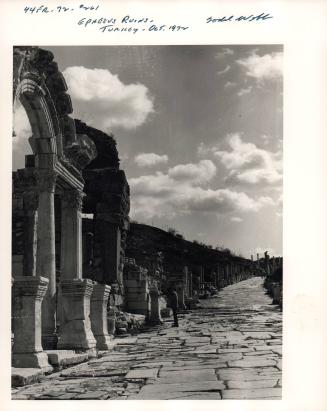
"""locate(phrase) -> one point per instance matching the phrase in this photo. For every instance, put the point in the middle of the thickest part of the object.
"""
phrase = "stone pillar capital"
(100, 292)
(30, 286)
(76, 287)
(46, 180)
(73, 198)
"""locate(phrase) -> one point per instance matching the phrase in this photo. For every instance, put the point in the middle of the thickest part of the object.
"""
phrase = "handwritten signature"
(249, 18)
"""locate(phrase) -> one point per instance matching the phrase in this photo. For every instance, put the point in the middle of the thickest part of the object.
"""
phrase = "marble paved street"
(229, 349)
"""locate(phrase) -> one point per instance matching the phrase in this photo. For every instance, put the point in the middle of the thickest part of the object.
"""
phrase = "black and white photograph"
(147, 235)
(163, 205)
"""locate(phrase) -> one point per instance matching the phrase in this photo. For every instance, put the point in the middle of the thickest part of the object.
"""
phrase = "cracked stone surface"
(228, 349)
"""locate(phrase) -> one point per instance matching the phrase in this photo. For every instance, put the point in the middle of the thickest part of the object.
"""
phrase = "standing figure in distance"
(173, 303)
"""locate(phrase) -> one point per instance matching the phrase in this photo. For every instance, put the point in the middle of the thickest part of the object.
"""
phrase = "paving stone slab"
(253, 362)
(258, 353)
(63, 396)
(257, 336)
(197, 340)
(258, 393)
(183, 387)
(230, 357)
(252, 384)
(274, 341)
(277, 349)
(234, 350)
(198, 351)
(244, 374)
(210, 366)
(169, 377)
(142, 373)
(263, 347)
(93, 395)
(152, 364)
(177, 396)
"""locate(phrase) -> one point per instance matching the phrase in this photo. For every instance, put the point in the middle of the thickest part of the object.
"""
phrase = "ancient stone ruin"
(72, 282)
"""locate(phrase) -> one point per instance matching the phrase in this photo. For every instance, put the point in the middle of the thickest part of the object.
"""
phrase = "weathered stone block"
(99, 324)
(75, 327)
(25, 376)
(31, 360)
(63, 358)
(155, 316)
(28, 293)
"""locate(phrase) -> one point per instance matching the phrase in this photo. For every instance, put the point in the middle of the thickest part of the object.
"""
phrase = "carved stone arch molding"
(42, 90)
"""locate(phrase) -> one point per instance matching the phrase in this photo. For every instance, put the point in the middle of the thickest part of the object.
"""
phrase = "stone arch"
(40, 115)
(42, 90)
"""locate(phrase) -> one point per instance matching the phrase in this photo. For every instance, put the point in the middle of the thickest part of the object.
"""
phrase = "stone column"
(75, 293)
(190, 284)
(181, 297)
(31, 201)
(111, 321)
(155, 316)
(46, 263)
(71, 234)
(99, 320)
(28, 293)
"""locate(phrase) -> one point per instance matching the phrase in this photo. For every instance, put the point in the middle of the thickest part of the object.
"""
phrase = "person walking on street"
(173, 303)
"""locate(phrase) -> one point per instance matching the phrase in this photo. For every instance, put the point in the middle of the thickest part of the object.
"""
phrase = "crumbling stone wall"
(190, 265)
(108, 200)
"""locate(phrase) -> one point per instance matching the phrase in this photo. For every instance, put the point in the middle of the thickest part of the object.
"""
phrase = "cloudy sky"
(199, 134)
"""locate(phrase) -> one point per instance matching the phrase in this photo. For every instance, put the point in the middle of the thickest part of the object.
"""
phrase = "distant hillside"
(144, 242)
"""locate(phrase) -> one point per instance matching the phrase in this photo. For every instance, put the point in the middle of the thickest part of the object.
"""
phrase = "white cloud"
(199, 173)
(229, 84)
(244, 91)
(202, 149)
(267, 67)
(225, 52)
(22, 129)
(150, 159)
(21, 124)
(225, 70)
(179, 192)
(279, 203)
(206, 149)
(249, 164)
(236, 219)
(102, 100)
